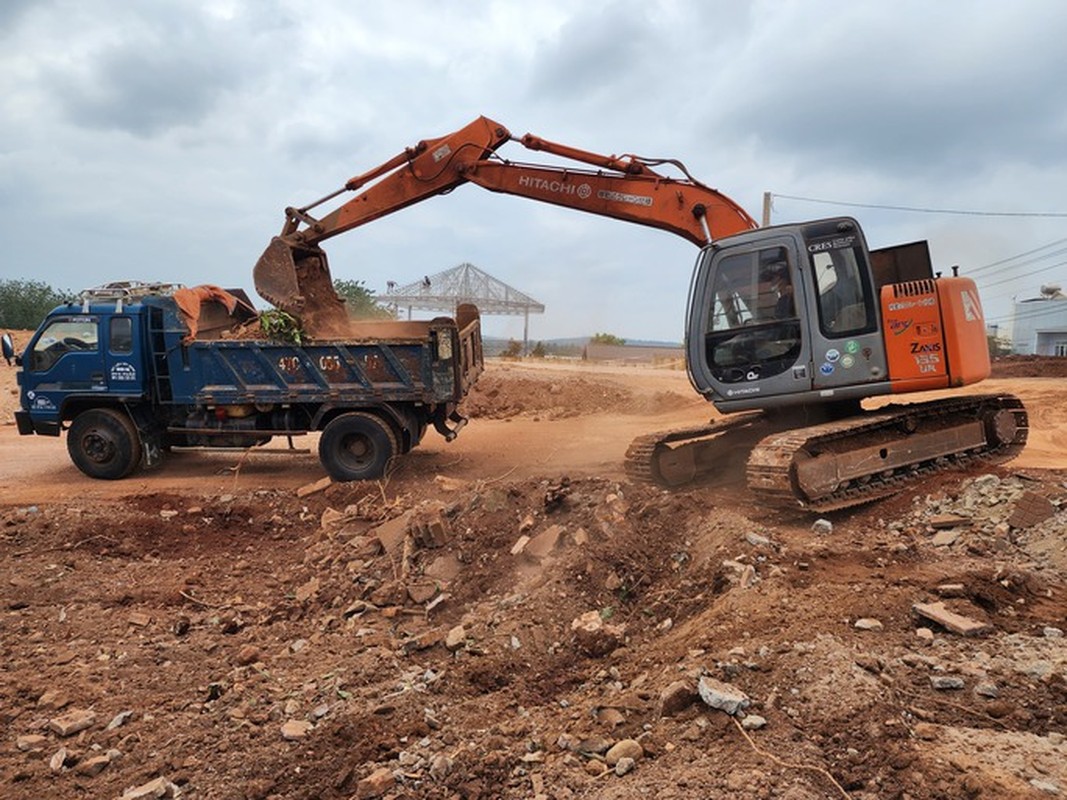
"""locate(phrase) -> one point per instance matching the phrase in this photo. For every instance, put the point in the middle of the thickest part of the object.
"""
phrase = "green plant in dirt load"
(279, 325)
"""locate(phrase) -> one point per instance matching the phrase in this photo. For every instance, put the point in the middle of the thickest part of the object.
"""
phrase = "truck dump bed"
(430, 362)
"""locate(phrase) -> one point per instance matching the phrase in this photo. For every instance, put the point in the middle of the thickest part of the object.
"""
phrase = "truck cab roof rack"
(125, 292)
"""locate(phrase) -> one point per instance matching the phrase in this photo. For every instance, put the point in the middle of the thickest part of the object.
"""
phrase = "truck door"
(122, 355)
(65, 358)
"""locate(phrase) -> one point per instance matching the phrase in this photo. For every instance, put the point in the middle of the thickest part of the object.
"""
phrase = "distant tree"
(998, 347)
(538, 351)
(24, 303)
(607, 338)
(360, 300)
(513, 350)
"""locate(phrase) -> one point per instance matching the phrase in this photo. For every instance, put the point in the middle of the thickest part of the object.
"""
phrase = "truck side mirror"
(8, 348)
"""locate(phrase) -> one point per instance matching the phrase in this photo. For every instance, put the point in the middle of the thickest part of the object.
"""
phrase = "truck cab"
(78, 354)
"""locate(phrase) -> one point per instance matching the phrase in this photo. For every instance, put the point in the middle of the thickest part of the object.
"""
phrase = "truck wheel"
(103, 443)
(357, 446)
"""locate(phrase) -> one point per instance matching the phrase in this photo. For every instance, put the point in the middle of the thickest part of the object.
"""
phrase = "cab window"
(845, 298)
(61, 337)
(120, 340)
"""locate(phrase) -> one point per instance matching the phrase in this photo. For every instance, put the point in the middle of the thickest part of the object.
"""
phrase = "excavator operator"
(777, 276)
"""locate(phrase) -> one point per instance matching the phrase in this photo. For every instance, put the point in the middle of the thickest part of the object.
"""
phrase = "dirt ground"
(507, 616)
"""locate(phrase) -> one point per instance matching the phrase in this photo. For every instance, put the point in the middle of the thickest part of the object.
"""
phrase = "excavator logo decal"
(556, 187)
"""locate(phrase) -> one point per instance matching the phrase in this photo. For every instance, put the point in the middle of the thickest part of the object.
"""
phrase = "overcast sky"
(162, 139)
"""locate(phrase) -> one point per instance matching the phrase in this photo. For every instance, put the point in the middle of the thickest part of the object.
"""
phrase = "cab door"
(746, 339)
(122, 353)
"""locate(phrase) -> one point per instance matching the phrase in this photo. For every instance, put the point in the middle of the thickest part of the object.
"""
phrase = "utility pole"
(766, 209)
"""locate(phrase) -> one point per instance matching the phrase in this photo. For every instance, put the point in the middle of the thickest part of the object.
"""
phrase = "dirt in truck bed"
(507, 616)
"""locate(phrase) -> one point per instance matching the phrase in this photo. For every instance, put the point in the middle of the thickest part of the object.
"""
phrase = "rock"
(376, 784)
(722, 696)
(1045, 786)
(296, 729)
(987, 690)
(757, 540)
(139, 620)
(823, 527)
(595, 745)
(593, 636)
(753, 722)
(72, 722)
(31, 742)
(946, 682)
(92, 767)
(945, 538)
(440, 767)
(1031, 509)
(595, 768)
(422, 591)
(119, 720)
(868, 624)
(748, 577)
(308, 590)
(624, 765)
(52, 700)
(158, 788)
(58, 759)
(611, 717)
(393, 533)
(624, 748)
(542, 545)
(331, 519)
(456, 638)
(430, 529)
(520, 545)
(249, 654)
(1052, 633)
(312, 488)
(943, 521)
(924, 635)
(951, 590)
(957, 623)
(444, 568)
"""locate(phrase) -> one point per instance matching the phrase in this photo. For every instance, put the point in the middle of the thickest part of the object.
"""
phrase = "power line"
(959, 212)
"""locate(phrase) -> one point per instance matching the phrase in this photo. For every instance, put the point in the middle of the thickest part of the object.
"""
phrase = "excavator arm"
(293, 272)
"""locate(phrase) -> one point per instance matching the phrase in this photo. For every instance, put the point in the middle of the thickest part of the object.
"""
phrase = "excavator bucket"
(298, 281)
(275, 277)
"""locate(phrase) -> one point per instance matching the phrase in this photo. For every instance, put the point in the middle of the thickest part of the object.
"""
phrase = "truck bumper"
(27, 426)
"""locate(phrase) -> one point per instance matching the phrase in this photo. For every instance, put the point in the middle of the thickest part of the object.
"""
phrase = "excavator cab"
(786, 316)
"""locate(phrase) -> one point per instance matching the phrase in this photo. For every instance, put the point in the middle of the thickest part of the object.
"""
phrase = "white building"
(1039, 325)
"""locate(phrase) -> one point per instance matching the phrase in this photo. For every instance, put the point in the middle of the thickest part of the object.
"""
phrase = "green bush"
(23, 303)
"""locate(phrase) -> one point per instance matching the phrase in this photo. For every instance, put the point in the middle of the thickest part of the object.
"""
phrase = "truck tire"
(103, 443)
(357, 446)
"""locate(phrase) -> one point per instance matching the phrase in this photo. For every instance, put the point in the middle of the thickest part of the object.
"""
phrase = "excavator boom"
(293, 272)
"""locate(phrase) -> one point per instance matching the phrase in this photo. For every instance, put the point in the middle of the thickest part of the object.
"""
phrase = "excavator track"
(680, 456)
(835, 465)
(857, 460)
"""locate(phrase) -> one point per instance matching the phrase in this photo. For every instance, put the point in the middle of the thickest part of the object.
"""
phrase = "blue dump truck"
(130, 375)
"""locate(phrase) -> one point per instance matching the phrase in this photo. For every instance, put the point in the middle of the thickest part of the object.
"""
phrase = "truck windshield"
(63, 336)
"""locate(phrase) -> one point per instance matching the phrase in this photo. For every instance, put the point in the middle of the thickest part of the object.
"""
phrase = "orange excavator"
(788, 327)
